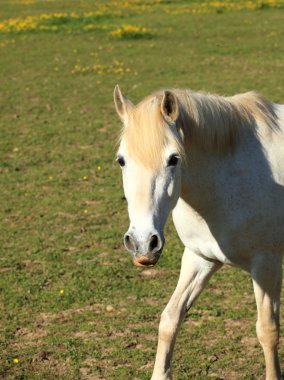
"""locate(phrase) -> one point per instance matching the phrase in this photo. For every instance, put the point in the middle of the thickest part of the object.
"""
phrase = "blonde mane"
(206, 121)
(215, 123)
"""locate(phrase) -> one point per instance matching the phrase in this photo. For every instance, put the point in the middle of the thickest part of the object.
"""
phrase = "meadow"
(72, 305)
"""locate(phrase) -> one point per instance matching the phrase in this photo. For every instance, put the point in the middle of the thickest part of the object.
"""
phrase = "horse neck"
(210, 180)
(198, 180)
(210, 131)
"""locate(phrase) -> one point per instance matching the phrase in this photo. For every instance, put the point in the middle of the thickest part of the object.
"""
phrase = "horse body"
(226, 202)
(218, 164)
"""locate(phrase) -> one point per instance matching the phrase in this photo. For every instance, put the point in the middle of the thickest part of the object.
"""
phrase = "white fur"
(227, 209)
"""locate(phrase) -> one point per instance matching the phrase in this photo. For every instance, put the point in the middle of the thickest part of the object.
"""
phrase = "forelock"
(147, 134)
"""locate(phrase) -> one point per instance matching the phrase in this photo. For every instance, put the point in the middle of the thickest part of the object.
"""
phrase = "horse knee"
(267, 333)
(168, 326)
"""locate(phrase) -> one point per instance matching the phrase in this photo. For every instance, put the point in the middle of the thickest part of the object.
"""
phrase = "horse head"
(150, 156)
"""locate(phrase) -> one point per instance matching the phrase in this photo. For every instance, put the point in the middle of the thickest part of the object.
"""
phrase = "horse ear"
(169, 106)
(122, 104)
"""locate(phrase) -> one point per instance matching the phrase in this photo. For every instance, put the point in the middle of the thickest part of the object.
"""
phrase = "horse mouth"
(145, 262)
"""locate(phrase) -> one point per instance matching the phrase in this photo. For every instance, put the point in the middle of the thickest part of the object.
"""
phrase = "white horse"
(218, 164)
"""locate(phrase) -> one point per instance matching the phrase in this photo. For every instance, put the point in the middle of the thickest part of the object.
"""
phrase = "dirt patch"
(85, 374)
(85, 335)
(85, 147)
(46, 318)
(32, 264)
(30, 335)
(28, 338)
(42, 355)
(44, 361)
(250, 342)
(3, 270)
(151, 272)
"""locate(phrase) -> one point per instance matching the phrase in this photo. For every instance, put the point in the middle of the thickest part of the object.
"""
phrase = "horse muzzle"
(146, 252)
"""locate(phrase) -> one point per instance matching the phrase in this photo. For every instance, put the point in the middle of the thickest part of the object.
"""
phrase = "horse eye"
(173, 160)
(121, 161)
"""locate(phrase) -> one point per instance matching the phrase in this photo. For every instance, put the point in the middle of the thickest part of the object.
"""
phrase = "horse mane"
(210, 122)
(215, 122)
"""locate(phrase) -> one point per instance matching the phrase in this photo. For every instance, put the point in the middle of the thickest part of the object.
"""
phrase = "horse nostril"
(130, 243)
(154, 243)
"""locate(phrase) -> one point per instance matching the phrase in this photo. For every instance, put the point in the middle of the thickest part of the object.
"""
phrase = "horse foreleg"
(267, 279)
(194, 275)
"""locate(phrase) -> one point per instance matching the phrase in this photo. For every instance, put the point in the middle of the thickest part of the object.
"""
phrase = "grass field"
(72, 305)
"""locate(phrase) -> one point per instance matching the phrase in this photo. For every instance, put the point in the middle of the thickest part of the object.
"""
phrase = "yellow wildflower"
(131, 31)
(61, 291)
(15, 360)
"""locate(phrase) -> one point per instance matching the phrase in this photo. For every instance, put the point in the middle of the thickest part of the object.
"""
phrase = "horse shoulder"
(195, 234)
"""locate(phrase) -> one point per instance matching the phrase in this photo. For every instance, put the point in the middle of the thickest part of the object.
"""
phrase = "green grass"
(63, 231)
